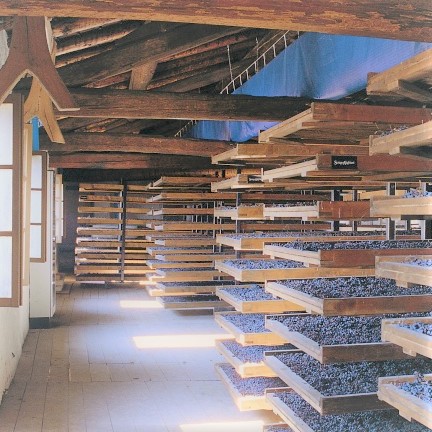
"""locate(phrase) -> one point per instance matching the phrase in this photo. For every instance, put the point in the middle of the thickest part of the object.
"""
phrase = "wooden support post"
(355, 222)
(391, 224)
(123, 233)
(336, 195)
(426, 225)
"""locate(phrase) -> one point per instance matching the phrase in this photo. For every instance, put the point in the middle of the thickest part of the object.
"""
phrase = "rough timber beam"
(105, 103)
(404, 19)
(127, 161)
(126, 143)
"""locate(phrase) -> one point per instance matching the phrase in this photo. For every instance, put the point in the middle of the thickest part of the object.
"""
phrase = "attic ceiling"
(109, 61)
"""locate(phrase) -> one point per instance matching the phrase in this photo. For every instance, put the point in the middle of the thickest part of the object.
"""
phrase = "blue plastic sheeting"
(318, 66)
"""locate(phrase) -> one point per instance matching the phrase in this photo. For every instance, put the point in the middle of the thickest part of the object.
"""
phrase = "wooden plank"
(324, 404)
(411, 341)
(156, 264)
(190, 226)
(260, 275)
(182, 211)
(257, 306)
(409, 406)
(128, 143)
(187, 276)
(265, 338)
(180, 242)
(350, 306)
(369, 18)
(397, 208)
(244, 369)
(412, 70)
(328, 354)
(414, 137)
(192, 197)
(403, 272)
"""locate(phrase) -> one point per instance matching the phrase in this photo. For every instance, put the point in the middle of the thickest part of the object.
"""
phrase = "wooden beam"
(151, 48)
(126, 161)
(142, 75)
(66, 27)
(404, 20)
(105, 103)
(124, 143)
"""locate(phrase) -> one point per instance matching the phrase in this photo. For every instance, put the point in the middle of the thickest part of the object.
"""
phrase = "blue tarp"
(318, 66)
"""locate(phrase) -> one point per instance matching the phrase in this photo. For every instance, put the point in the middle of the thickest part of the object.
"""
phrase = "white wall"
(14, 325)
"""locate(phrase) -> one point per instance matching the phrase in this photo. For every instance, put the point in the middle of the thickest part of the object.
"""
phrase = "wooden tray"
(267, 338)
(188, 275)
(409, 406)
(412, 342)
(156, 264)
(243, 403)
(350, 306)
(257, 306)
(343, 210)
(404, 80)
(416, 141)
(343, 122)
(404, 273)
(324, 404)
(197, 257)
(327, 354)
(398, 208)
(185, 242)
(241, 212)
(245, 370)
(337, 258)
(257, 243)
(260, 275)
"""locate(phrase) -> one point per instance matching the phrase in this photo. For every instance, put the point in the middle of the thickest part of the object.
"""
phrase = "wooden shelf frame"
(344, 353)
(411, 341)
(409, 406)
(352, 306)
(402, 271)
(401, 208)
(339, 404)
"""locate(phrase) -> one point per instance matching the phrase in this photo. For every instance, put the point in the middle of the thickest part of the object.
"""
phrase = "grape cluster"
(370, 244)
(255, 293)
(243, 264)
(420, 388)
(420, 327)
(247, 323)
(253, 353)
(417, 193)
(188, 299)
(420, 262)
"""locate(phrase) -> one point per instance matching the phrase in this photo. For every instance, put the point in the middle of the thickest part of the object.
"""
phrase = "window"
(11, 126)
(38, 207)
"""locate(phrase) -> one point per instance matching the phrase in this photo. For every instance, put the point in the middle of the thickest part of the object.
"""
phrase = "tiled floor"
(101, 369)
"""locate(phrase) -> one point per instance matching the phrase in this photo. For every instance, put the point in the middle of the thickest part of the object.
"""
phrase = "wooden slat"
(397, 208)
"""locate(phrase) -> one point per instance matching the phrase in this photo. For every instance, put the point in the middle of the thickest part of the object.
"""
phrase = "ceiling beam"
(404, 19)
(139, 48)
(127, 161)
(139, 104)
(124, 143)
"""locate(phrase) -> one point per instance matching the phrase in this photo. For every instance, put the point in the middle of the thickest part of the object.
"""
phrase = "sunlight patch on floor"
(179, 341)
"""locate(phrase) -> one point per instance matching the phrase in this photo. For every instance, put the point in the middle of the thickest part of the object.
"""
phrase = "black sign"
(344, 162)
